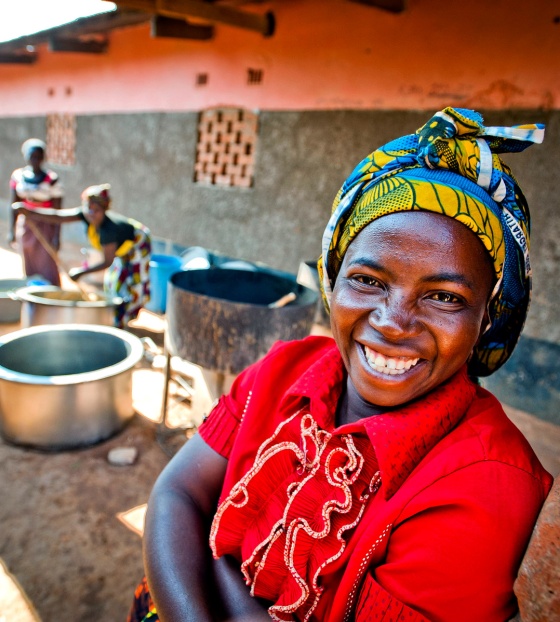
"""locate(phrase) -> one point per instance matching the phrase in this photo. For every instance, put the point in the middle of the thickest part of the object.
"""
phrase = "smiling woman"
(370, 476)
(409, 305)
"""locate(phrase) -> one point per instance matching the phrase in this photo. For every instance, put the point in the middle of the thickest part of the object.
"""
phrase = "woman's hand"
(18, 208)
(11, 239)
(75, 273)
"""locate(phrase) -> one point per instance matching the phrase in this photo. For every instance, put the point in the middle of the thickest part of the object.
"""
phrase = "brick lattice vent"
(225, 154)
(61, 139)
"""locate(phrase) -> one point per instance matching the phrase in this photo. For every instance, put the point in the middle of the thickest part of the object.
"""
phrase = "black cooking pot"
(222, 319)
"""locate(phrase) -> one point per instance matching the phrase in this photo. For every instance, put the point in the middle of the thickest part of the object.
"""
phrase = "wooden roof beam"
(67, 44)
(183, 9)
(395, 6)
(8, 58)
(162, 26)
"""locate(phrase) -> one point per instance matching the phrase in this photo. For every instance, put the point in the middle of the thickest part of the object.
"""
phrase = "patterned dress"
(37, 191)
(128, 276)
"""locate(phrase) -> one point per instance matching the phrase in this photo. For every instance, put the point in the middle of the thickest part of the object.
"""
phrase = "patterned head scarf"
(30, 145)
(449, 166)
(99, 194)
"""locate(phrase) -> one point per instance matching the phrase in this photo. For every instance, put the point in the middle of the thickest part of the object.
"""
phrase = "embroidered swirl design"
(290, 516)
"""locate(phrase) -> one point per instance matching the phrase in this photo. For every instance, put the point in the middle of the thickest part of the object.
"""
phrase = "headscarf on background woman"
(30, 145)
(449, 166)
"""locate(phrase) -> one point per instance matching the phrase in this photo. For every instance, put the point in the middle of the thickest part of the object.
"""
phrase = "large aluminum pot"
(67, 385)
(47, 304)
(10, 308)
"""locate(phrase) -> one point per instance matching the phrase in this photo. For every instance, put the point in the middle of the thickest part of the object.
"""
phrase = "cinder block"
(242, 182)
(223, 180)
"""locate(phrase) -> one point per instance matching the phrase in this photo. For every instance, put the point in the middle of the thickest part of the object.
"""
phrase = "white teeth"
(389, 366)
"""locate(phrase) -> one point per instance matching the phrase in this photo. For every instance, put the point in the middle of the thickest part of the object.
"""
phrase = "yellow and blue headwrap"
(449, 166)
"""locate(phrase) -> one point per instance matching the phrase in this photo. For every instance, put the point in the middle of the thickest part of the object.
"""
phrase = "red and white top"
(419, 514)
(36, 190)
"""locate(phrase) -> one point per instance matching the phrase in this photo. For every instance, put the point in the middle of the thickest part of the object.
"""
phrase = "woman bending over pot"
(369, 476)
(126, 246)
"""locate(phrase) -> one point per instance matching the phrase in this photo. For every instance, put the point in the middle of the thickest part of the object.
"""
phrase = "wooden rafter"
(162, 26)
(67, 44)
(395, 6)
(15, 50)
(183, 9)
(17, 59)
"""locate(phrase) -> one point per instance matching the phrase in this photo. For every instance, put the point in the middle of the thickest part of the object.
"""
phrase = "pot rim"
(10, 285)
(26, 294)
(134, 356)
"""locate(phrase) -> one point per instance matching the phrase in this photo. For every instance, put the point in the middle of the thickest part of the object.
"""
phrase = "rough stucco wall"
(324, 55)
(301, 160)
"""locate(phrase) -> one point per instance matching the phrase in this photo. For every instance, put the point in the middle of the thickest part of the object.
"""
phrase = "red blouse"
(397, 517)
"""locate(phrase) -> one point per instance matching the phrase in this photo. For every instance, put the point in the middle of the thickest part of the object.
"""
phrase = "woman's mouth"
(391, 366)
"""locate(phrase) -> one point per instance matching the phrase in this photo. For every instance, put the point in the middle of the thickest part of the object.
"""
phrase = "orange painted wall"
(325, 55)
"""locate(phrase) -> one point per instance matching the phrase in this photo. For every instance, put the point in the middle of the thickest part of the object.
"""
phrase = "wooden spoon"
(59, 263)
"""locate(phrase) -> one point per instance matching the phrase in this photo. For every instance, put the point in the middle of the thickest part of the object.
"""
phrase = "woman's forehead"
(423, 236)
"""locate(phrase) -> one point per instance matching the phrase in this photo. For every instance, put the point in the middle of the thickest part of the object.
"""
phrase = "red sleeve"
(219, 429)
(458, 537)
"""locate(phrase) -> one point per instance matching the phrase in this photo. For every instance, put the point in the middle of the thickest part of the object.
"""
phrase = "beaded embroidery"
(289, 517)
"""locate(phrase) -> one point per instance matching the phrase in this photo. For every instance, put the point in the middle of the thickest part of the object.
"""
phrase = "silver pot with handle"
(47, 304)
(10, 309)
(66, 386)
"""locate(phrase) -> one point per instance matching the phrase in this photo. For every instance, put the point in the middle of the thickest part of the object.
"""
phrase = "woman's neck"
(352, 407)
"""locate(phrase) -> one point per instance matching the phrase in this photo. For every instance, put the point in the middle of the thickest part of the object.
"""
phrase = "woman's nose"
(394, 318)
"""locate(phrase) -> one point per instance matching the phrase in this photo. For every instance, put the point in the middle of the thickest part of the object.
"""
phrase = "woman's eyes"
(366, 280)
(445, 297)
(440, 297)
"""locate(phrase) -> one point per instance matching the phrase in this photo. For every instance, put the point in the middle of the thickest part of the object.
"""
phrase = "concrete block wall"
(301, 159)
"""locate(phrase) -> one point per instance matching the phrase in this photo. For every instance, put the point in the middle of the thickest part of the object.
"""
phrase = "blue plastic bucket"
(161, 269)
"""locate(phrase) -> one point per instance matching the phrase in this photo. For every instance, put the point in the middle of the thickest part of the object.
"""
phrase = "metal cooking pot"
(223, 320)
(47, 304)
(66, 386)
(10, 309)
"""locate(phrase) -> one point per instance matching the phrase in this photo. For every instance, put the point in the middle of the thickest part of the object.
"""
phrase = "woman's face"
(94, 213)
(36, 157)
(409, 304)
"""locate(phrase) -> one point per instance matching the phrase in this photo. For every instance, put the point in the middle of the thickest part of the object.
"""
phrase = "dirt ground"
(60, 535)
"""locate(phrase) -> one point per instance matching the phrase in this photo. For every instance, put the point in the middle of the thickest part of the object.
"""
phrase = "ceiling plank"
(96, 24)
(19, 59)
(395, 6)
(182, 9)
(67, 44)
(162, 26)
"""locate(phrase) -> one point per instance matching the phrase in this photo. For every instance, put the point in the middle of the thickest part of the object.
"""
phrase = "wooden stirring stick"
(282, 302)
(59, 263)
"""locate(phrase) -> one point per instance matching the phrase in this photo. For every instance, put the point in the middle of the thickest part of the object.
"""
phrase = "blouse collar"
(400, 438)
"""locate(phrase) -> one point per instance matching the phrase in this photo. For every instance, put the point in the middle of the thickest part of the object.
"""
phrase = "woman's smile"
(388, 365)
(409, 305)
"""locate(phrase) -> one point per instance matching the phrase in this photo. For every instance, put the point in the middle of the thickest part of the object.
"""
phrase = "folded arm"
(185, 582)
